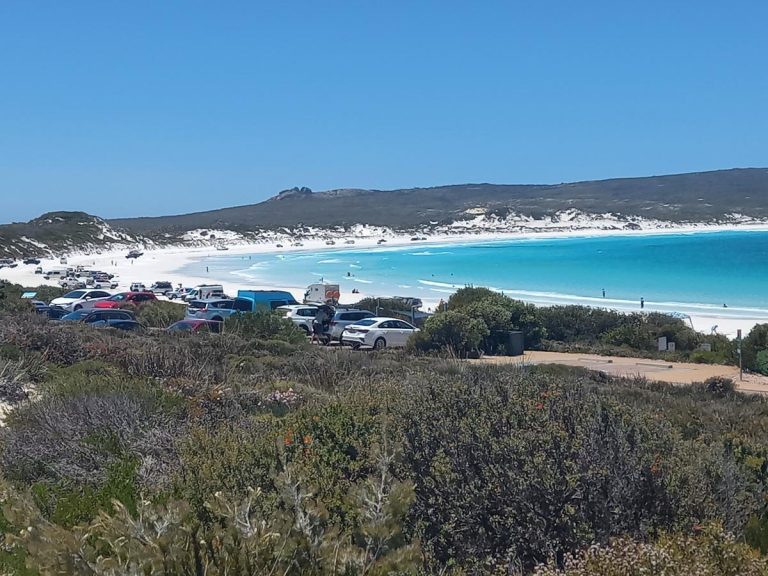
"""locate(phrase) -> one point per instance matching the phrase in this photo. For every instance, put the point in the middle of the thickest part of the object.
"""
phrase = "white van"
(205, 291)
(55, 273)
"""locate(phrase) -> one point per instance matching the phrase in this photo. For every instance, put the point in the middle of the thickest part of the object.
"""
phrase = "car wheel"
(355, 346)
(305, 328)
(380, 344)
(217, 319)
(78, 307)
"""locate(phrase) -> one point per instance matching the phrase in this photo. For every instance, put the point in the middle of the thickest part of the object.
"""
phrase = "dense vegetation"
(252, 452)
(478, 319)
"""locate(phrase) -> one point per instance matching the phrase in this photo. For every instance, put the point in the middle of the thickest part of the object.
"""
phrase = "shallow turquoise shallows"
(687, 273)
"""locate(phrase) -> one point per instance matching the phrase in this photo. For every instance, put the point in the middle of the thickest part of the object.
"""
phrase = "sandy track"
(672, 372)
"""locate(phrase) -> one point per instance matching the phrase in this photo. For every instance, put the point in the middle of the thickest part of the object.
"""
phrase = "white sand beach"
(167, 264)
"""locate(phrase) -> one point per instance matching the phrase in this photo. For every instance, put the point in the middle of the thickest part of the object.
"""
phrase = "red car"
(136, 298)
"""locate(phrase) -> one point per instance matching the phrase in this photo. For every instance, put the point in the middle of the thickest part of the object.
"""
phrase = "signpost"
(738, 349)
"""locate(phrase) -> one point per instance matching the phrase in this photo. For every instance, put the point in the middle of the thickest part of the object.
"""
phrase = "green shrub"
(708, 551)
(720, 386)
(264, 325)
(160, 314)
(450, 331)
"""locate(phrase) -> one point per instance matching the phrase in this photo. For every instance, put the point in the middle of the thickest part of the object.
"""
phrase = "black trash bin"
(514, 344)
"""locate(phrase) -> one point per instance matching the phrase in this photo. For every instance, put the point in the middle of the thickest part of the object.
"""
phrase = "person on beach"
(603, 292)
(206, 269)
(642, 303)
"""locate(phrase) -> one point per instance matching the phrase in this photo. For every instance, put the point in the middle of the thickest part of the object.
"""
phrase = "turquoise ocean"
(694, 273)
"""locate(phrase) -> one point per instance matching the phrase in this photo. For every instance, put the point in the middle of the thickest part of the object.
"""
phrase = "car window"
(402, 325)
(366, 322)
(99, 294)
(197, 304)
(387, 324)
(223, 305)
(277, 303)
(306, 312)
(75, 294)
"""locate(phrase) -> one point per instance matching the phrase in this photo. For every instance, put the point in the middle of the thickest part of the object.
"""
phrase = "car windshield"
(75, 294)
(118, 297)
(181, 327)
(366, 322)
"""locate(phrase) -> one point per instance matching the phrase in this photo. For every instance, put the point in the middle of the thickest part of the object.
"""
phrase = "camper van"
(204, 292)
(322, 294)
(55, 273)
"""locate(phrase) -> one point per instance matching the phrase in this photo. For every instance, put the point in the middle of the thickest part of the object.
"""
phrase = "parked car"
(57, 312)
(70, 283)
(136, 298)
(79, 298)
(134, 254)
(163, 288)
(101, 280)
(217, 309)
(31, 261)
(137, 287)
(120, 324)
(378, 333)
(343, 318)
(179, 293)
(300, 314)
(191, 325)
(39, 270)
(8, 263)
(88, 316)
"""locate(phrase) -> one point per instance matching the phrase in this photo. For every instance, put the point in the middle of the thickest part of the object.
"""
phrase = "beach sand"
(164, 264)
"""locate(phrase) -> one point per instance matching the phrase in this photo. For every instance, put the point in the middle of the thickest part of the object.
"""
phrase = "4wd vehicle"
(163, 288)
(300, 314)
(31, 261)
(217, 309)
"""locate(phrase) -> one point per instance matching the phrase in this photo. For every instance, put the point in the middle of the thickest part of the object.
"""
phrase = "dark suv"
(90, 315)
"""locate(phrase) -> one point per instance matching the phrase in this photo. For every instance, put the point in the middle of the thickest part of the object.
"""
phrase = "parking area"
(672, 372)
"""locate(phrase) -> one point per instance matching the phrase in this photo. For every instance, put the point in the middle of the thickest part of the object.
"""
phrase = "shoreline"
(168, 263)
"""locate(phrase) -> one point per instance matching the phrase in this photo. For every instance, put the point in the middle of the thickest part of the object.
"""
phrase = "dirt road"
(672, 372)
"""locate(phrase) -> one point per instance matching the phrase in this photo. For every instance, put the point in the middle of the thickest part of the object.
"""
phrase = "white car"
(300, 314)
(378, 333)
(78, 299)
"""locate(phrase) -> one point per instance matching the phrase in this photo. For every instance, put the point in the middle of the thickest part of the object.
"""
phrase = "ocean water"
(687, 273)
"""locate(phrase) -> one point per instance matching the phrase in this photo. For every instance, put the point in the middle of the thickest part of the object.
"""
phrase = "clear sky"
(153, 107)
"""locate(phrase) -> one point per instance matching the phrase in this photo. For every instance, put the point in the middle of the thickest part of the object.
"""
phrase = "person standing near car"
(318, 324)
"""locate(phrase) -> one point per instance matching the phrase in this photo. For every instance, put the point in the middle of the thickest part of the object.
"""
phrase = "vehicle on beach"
(55, 273)
(101, 280)
(8, 263)
(78, 299)
(322, 293)
(135, 298)
(204, 292)
(38, 270)
(330, 243)
(350, 241)
(31, 261)
(300, 314)
(378, 333)
(71, 283)
(221, 248)
(195, 326)
(382, 241)
(162, 287)
(179, 293)
(137, 287)
(134, 254)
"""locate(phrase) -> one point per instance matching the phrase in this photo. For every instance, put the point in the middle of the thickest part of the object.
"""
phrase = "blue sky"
(147, 108)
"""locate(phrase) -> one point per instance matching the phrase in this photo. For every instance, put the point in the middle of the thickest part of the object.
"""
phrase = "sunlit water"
(687, 273)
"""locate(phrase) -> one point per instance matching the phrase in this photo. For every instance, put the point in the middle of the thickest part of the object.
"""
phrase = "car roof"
(294, 306)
